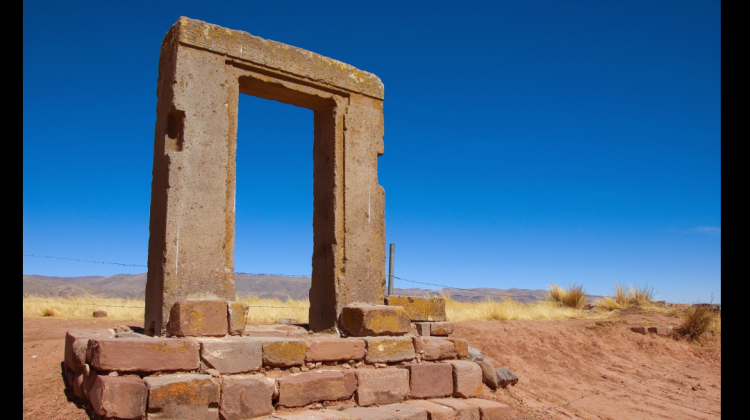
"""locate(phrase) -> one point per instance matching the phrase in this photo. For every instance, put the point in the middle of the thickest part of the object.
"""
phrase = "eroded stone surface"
(119, 397)
(76, 342)
(232, 354)
(489, 410)
(423, 328)
(182, 396)
(467, 378)
(306, 388)
(441, 329)
(462, 410)
(333, 348)
(381, 386)
(430, 380)
(142, 354)
(237, 315)
(405, 411)
(420, 308)
(435, 411)
(436, 348)
(462, 347)
(389, 349)
(245, 397)
(375, 320)
(198, 318)
(489, 375)
(283, 352)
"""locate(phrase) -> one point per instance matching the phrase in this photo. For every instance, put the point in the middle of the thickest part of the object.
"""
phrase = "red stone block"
(405, 411)
(423, 328)
(119, 397)
(639, 330)
(382, 386)
(142, 354)
(441, 328)
(76, 342)
(183, 396)
(462, 410)
(489, 410)
(462, 347)
(237, 315)
(665, 331)
(430, 380)
(434, 411)
(436, 348)
(333, 349)
(375, 320)
(467, 378)
(366, 413)
(231, 355)
(198, 318)
(246, 396)
(307, 388)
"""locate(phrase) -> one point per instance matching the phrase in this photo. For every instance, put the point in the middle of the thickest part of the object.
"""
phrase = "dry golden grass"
(627, 296)
(698, 320)
(268, 311)
(508, 309)
(572, 297)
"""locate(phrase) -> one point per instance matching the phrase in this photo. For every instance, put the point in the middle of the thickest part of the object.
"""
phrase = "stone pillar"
(202, 70)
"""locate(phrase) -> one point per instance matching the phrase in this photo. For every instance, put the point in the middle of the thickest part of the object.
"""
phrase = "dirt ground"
(556, 361)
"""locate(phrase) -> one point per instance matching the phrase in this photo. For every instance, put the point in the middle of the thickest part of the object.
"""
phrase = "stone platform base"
(129, 376)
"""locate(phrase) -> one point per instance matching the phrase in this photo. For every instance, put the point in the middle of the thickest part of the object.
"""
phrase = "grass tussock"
(698, 320)
(506, 310)
(627, 296)
(572, 297)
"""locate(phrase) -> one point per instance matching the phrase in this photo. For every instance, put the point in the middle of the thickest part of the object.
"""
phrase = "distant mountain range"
(263, 286)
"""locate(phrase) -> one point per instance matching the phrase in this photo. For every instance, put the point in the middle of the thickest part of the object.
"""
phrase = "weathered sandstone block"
(309, 387)
(119, 397)
(246, 396)
(333, 349)
(423, 328)
(441, 329)
(665, 331)
(198, 318)
(283, 352)
(365, 321)
(489, 410)
(389, 349)
(382, 386)
(462, 410)
(142, 354)
(462, 347)
(467, 378)
(436, 348)
(405, 411)
(505, 377)
(76, 342)
(182, 396)
(309, 415)
(430, 380)
(420, 308)
(231, 354)
(367, 413)
(435, 411)
(237, 314)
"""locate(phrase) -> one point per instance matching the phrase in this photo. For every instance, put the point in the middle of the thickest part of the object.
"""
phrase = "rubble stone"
(430, 380)
(182, 396)
(489, 374)
(434, 411)
(198, 318)
(143, 354)
(389, 349)
(441, 329)
(375, 320)
(119, 397)
(436, 348)
(283, 352)
(639, 330)
(99, 314)
(420, 308)
(306, 388)
(473, 355)
(246, 396)
(231, 354)
(467, 378)
(237, 316)
(489, 410)
(405, 411)
(665, 331)
(381, 386)
(463, 411)
(334, 349)
(505, 377)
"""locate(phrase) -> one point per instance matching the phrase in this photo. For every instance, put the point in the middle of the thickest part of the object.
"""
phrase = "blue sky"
(526, 143)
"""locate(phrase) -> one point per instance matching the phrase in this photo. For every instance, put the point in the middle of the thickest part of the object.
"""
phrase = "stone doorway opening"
(274, 188)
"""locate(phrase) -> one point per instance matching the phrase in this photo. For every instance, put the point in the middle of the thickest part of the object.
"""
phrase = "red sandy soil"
(556, 361)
